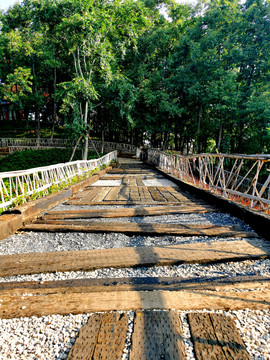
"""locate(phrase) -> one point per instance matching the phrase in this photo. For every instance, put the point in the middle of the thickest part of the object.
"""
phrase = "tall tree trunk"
(102, 141)
(199, 129)
(219, 137)
(85, 155)
(54, 104)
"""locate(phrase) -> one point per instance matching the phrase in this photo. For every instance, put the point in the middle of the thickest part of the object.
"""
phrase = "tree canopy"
(195, 80)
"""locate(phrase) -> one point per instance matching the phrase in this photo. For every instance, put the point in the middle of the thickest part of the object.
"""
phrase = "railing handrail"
(217, 155)
(236, 179)
(20, 142)
(9, 174)
(14, 184)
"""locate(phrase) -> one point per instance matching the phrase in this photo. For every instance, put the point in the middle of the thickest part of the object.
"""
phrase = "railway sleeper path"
(132, 267)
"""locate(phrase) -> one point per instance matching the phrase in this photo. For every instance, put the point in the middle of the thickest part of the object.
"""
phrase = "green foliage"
(28, 159)
(120, 69)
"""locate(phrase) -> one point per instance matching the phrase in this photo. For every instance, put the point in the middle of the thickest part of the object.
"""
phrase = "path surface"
(134, 268)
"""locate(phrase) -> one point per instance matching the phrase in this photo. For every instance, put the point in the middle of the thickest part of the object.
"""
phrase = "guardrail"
(33, 143)
(15, 184)
(241, 178)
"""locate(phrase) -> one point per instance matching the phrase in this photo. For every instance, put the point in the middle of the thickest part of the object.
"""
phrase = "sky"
(4, 4)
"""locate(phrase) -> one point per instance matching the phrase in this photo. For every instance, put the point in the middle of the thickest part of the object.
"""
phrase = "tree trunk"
(219, 137)
(198, 130)
(102, 141)
(85, 155)
(75, 147)
(54, 104)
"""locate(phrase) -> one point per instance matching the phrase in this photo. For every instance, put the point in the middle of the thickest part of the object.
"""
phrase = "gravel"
(187, 271)
(51, 337)
(31, 242)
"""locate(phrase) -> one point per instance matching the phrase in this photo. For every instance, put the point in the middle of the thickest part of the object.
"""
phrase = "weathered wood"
(157, 335)
(100, 196)
(9, 223)
(126, 212)
(203, 336)
(130, 284)
(103, 337)
(112, 195)
(138, 228)
(77, 303)
(203, 252)
(229, 337)
(89, 194)
(156, 194)
(132, 171)
(86, 341)
(215, 336)
(166, 194)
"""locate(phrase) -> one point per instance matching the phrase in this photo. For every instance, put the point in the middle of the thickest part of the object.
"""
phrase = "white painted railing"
(33, 143)
(15, 184)
(241, 178)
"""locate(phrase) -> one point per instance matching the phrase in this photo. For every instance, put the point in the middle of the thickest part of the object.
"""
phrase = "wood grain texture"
(138, 228)
(131, 284)
(126, 212)
(204, 252)
(86, 302)
(215, 336)
(103, 337)
(157, 335)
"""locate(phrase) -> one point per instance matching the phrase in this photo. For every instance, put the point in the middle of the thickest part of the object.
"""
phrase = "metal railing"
(33, 143)
(241, 178)
(15, 184)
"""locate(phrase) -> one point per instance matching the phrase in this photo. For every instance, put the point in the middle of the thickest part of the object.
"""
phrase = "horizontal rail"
(33, 143)
(22, 183)
(241, 178)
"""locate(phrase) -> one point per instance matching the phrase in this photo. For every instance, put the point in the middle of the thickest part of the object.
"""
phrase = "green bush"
(27, 159)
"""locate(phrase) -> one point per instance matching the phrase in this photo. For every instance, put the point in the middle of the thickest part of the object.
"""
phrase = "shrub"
(27, 159)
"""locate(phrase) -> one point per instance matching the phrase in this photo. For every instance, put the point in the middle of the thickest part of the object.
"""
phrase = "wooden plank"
(15, 306)
(103, 337)
(215, 336)
(112, 336)
(203, 336)
(126, 212)
(139, 182)
(89, 194)
(132, 182)
(86, 285)
(156, 194)
(132, 171)
(138, 228)
(113, 194)
(112, 177)
(134, 194)
(181, 196)
(157, 335)
(229, 337)
(87, 339)
(145, 194)
(99, 197)
(203, 252)
(124, 194)
(166, 194)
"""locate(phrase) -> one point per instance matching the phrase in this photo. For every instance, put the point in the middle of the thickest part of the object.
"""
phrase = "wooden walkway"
(155, 334)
